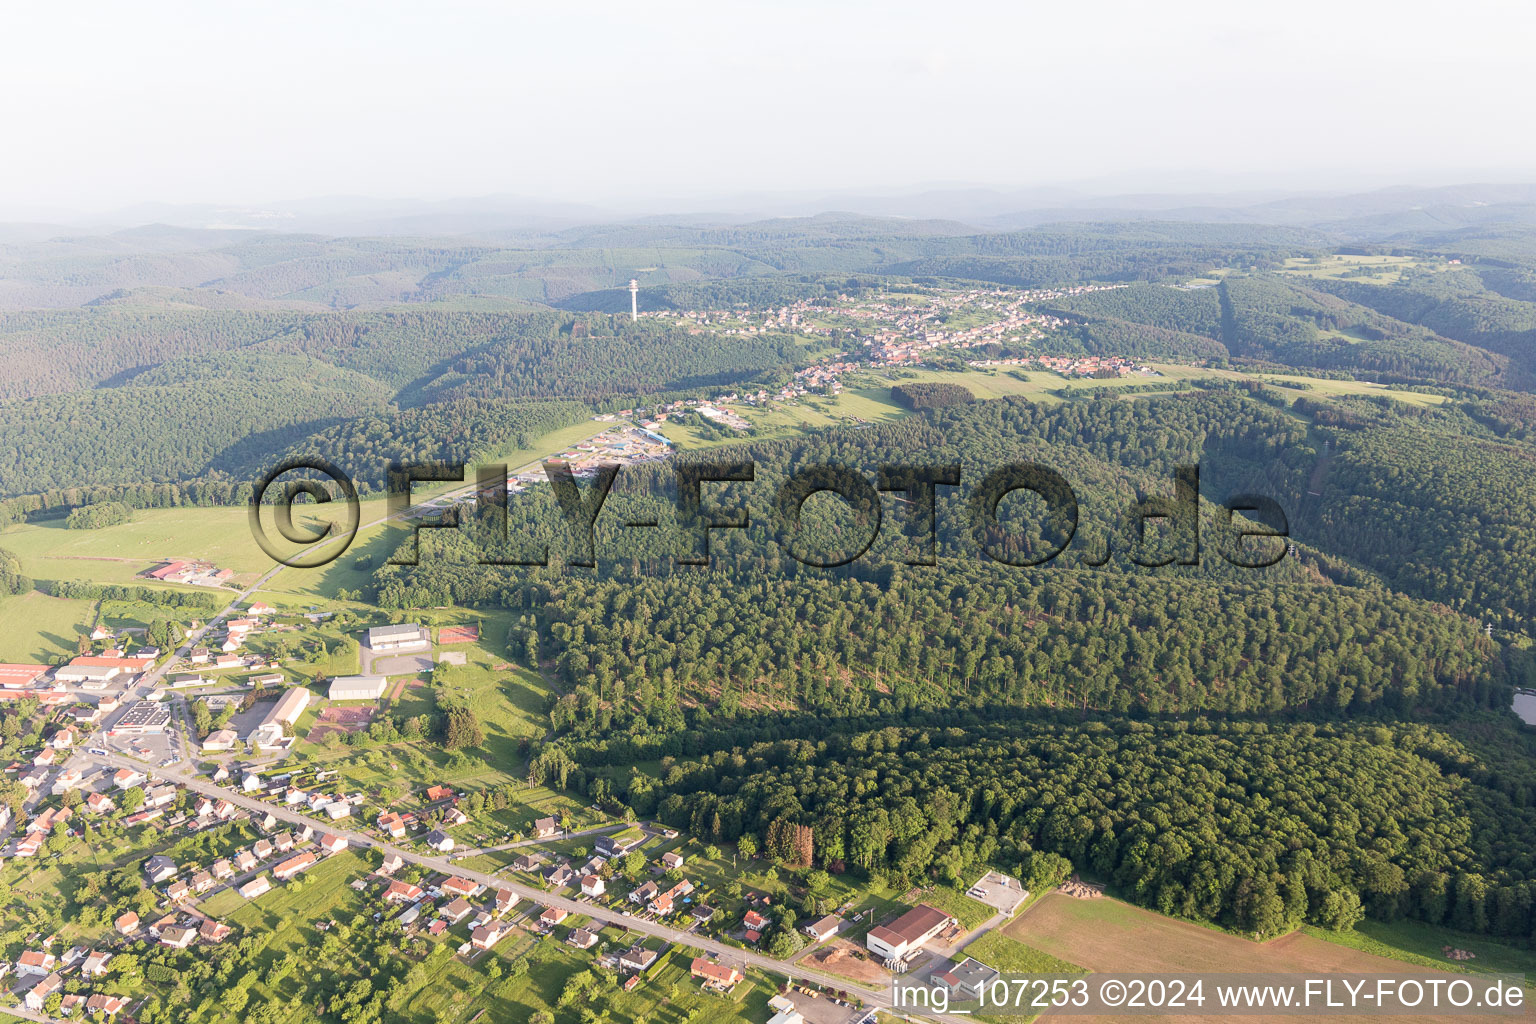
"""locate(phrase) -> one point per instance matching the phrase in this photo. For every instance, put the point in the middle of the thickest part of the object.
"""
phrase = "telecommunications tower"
(634, 300)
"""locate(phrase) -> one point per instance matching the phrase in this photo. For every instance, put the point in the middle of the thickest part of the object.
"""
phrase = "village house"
(457, 886)
(33, 962)
(637, 959)
(45, 823)
(823, 929)
(714, 975)
(456, 911)
(592, 885)
(487, 935)
(581, 938)
(37, 998)
(213, 931)
(402, 892)
(177, 937)
(544, 828)
(95, 964)
(292, 866)
(105, 1005)
(553, 916)
(619, 844)
(220, 740)
(256, 887)
(158, 868)
(127, 778)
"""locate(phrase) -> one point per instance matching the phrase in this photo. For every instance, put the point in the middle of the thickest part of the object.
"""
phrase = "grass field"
(969, 912)
(39, 628)
(1011, 956)
(1014, 957)
(1423, 944)
(1377, 269)
(117, 553)
(868, 399)
(1109, 935)
(1323, 386)
(785, 420)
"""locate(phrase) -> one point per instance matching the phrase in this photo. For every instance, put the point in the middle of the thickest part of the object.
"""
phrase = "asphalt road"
(727, 954)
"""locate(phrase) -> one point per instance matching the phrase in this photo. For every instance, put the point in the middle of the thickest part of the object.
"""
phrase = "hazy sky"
(109, 103)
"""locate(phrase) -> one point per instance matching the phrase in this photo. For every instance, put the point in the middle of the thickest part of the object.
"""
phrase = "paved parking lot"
(396, 664)
(999, 891)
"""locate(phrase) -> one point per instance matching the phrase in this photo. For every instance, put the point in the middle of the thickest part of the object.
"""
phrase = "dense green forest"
(1124, 689)
(1256, 826)
(98, 515)
(642, 636)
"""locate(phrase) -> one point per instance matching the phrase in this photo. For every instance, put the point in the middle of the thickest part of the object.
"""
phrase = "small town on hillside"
(886, 333)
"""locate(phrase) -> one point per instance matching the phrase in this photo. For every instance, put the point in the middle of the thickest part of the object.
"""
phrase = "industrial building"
(908, 933)
(284, 713)
(357, 688)
(145, 716)
(403, 637)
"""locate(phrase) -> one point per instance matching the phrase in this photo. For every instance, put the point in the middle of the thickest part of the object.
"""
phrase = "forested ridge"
(1306, 741)
(1256, 826)
(641, 638)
